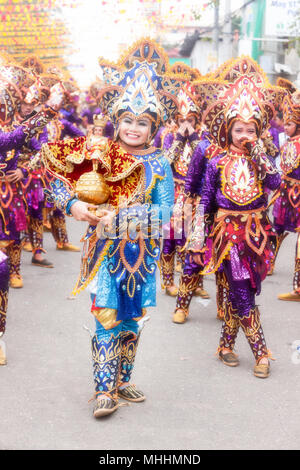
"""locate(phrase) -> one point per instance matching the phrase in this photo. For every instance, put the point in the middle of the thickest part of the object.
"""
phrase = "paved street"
(193, 400)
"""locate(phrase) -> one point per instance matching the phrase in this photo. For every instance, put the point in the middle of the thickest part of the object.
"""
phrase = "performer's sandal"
(16, 281)
(130, 393)
(229, 359)
(43, 263)
(27, 246)
(172, 290)
(67, 247)
(262, 370)
(105, 405)
(200, 292)
(3, 360)
(179, 316)
(293, 296)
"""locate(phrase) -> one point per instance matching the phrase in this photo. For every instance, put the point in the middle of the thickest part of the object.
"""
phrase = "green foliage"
(236, 23)
(198, 12)
(294, 42)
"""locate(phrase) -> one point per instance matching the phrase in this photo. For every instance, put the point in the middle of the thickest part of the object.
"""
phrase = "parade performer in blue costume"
(120, 252)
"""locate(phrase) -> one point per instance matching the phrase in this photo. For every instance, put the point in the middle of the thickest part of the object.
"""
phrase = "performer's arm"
(204, 211)
(70, 129)
(66, 200)
(267, 170)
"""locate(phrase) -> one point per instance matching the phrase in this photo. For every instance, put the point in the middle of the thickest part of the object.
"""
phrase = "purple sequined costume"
(239, 241)
(58, 130)
(32, 185)
(191, 276)
(4, 278)
(12, 204)
(286, 209)
(179, 151)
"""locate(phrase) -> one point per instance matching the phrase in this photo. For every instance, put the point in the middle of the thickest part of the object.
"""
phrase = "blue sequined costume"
(120, 265)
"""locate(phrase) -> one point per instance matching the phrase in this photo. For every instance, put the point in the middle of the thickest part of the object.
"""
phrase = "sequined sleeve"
(12, 140)
(204, 210)
(196, 171)
(194, 140)
(272, 180)
(163, 192)
(70, 129)
(61, 195)
(174, 151)
(210, 185)
(158, 138)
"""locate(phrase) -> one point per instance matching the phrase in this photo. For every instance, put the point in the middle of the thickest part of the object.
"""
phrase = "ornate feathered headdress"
(187, 98)
(242, 92)
(141, 84)
(33, 63)
(95, 89)
(287, 84)
(291, 108)
(15, 83)
(290, 105)
(45, 78)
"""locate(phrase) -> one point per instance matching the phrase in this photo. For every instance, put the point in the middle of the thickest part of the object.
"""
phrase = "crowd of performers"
(199, 174)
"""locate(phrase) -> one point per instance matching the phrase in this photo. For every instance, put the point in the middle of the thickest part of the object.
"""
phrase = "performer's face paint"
(134, 132)
(97, 130)
(241, 132)
(290, 128)
(189, 120)
(26, 109)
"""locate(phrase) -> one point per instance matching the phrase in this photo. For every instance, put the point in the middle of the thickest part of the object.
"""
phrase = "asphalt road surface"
(193, 400)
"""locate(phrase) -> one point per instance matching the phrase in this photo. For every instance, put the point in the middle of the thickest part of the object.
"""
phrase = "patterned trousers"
(241, 311)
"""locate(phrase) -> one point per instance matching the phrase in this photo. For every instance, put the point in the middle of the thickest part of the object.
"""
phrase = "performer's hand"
(197, 258)
(182, 129)
(80, 211)
(56, 97)
(106, 217)
(13, 176)
(248, 144)
(189, 128)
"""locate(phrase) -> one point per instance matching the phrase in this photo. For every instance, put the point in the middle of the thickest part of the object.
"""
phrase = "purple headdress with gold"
(291, 103)
(15, 86)
(187, 97)
(242, 92)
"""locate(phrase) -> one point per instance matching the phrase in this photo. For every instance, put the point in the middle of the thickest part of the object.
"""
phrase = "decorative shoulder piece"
(36, 123)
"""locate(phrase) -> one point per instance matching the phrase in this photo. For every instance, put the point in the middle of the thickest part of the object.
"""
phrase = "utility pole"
(227, 36)
(216, 31)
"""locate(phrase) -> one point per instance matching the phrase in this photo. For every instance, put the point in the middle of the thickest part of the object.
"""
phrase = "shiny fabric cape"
(66, 160)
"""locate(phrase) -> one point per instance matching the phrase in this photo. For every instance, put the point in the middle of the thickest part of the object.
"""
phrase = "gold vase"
(92, 188)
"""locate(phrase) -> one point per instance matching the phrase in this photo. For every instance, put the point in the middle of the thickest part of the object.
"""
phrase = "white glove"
(56, 97)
